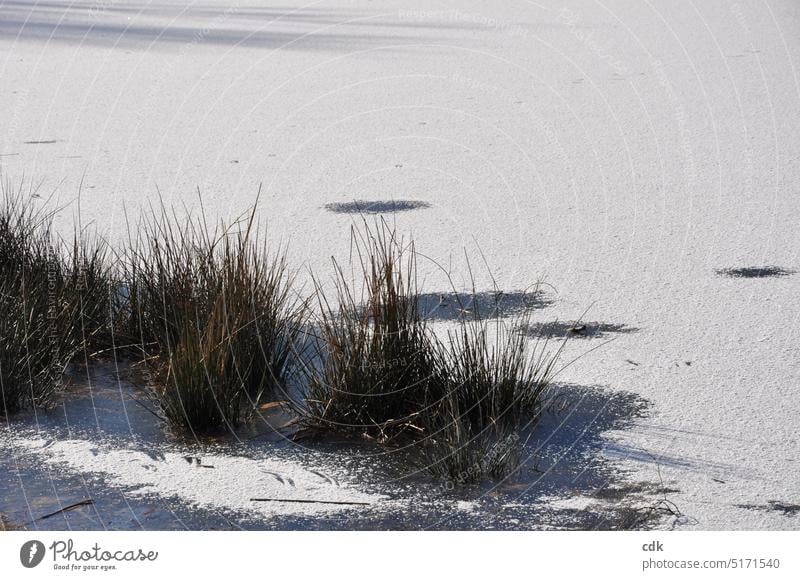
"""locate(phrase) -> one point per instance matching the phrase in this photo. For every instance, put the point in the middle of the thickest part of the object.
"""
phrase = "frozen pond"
(640, 157)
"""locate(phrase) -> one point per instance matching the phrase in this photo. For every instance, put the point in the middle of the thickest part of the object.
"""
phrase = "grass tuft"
(212, 314)
(53, 301)
(376, 361)
(494, 381)
(380, 370)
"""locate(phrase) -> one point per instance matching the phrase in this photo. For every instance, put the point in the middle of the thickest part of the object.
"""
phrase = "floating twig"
(310, 501)
(77, 504)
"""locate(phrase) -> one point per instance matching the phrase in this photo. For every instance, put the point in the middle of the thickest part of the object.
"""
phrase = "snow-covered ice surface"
(628, 152)
(102, 444)
(289, 487)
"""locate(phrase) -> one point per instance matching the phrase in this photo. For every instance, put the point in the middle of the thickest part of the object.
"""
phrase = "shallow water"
(104, 446)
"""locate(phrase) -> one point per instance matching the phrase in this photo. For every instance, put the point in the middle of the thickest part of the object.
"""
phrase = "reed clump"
(380, 370)
(54, 302)
(375, 359)
(495, 382)
(212, 314)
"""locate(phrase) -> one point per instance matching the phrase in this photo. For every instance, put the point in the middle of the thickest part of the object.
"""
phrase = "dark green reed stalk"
(213, 315)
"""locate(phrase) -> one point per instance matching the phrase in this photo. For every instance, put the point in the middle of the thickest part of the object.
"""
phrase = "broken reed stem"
(331, 502)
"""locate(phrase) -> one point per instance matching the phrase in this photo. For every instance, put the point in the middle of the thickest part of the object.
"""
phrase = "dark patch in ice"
(465, 305)
(376, 206)
(785, 508)
(788, 509)
(755, 272)
(576, 329)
